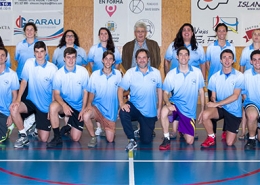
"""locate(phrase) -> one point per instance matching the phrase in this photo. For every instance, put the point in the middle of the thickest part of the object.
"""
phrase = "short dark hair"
(255, 52)
(142, 50)
(226, 51)
(39, 44)
(183, 48)
(5, 50)
(70, 50)
(221, 24)
(108, 52)
(30, 24)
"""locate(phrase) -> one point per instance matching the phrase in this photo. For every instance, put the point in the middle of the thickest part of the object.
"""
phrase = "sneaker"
(103, 133)
(22, 141)
(210, 141)
(166, 144)
(98, 131)
(56, 141)
(131, 145)
(3, 138)
(10, 130)
(35, 134)
(173, 135)
(224, 135)
(29, 121)
(93, 142)
(136, 133)
(250, 145)
(65, 130)
(31, 130)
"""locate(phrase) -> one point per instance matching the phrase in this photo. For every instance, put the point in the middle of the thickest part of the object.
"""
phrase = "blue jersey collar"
(232, 71)
(43, 66)
(67, 71)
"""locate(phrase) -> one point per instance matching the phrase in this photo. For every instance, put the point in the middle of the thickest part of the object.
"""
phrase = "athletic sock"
(211, 135)
(167, 135)
(22, 131)
(56, 132)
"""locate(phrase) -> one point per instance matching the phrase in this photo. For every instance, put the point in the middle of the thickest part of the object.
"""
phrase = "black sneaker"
(65, 130)
(166, 144)
(56, 141)
(250, 145)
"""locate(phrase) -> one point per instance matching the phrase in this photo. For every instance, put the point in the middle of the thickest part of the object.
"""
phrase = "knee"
(164, 112)
(229, 143)
(43, 139)
(75, 138)
(110, 140)
(190, 141)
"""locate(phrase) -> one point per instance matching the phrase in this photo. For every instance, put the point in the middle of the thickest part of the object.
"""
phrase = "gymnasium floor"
(74, 163)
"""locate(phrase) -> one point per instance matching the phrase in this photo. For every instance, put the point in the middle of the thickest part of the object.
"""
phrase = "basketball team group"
(39, 94)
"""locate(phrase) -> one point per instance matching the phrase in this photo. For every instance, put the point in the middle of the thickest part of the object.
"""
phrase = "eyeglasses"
(69, 36)
(140, 31)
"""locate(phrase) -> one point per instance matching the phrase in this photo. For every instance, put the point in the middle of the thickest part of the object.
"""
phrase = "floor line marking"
(131, 168)
(136, 161)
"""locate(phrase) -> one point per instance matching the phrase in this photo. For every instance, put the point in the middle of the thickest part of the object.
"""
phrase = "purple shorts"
(186, 125)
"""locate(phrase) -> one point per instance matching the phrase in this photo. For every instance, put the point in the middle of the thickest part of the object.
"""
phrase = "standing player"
(102, 99)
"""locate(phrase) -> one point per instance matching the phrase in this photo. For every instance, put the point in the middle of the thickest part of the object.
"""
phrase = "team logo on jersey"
(79, 83)
(193, 81)
(6, 82)
(47, 79)
(153, 80)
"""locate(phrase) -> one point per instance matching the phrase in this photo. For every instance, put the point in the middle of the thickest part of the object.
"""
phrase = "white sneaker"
(98, 131)
(28, 122)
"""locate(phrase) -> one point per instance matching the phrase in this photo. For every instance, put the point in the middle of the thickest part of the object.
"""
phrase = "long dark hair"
(1, 42)
(110, 42)
(63, 41)
(178, 41)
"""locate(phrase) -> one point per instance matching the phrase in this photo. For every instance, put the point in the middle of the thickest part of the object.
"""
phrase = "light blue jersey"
(197, 57)
(143, 88)
(8, 83)
(96, 53)
(24, 51)
(213, 56)
(245, 57)
(104, 89)
(184, 89)
(224, 87)
(58, 56)
(252, 87)
(39, 80)
(71, 85)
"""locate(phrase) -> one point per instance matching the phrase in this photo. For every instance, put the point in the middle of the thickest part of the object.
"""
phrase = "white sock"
(211, 135)
(22, 131)
(167, 135)
(252, 137)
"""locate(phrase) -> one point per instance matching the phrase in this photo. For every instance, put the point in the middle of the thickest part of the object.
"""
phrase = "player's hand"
(125, 107)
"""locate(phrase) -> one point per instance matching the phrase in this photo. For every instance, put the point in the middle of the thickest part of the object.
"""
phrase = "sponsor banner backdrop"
(120, 16)
(6, 27)
(46, 14)
(241, 17)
